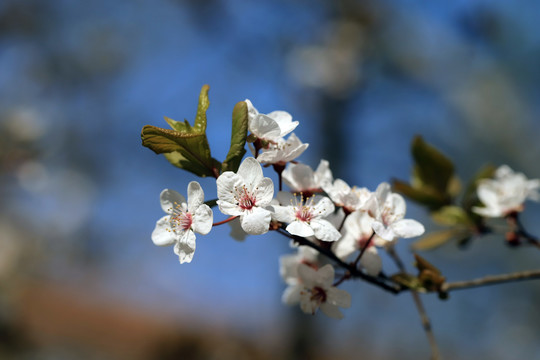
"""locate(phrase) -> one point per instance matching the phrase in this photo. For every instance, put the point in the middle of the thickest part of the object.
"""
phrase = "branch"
(426, 324)
(491, 280)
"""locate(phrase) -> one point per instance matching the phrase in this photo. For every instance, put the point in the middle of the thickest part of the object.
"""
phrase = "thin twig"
(364, 248)
(491, 280)
(426, 324)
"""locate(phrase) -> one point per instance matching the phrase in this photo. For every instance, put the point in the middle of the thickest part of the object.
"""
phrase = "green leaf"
(238, 137)
(438, 238)
(423, 195)
(185, 146)
(408, 280)
(433, 168)
(451, 215)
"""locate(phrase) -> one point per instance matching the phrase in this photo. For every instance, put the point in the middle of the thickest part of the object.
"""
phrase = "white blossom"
(314, 290)
(270, 127)
(288, 264)
(302, 178)
(306, 217)
(388, 209)
(183, 219)
(357, 231)
(282, 151)
(505, 193)
(246, 194)
(351, 199)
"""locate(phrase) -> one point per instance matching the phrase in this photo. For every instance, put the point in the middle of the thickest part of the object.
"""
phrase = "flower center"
(318, 295)
(180, 218)
(304, 211)
(246, 201)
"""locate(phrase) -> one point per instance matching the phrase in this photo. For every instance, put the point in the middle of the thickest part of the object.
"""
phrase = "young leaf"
(451, 215)
(434, 169)
(422, 195)
(438, 238)
(238, 137)
(185, 146)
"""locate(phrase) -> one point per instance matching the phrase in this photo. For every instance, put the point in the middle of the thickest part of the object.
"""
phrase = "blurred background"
(79, 195)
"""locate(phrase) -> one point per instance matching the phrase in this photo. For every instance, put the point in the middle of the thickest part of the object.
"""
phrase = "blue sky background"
(80, 193)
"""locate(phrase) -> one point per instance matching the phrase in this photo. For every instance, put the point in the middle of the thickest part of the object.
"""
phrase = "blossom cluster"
(353, 223)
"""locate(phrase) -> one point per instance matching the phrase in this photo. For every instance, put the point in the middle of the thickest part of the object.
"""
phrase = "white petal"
(308, 275)
(237, 233)
(338, 297)
(324, 230)
(291, 295)
(397, 203)
(202, 219)
(185, 248)
(256, 221)
(323, 172)
(284, 214)
(299, 228)
(251, 172)
(195, 195)
(324, 207)
(298, 177)
(407, 228)
(385, 232)
(371, 261)
(162, 234)
(227, 183)
(169, 199)
(252, 111)
(263, 192)
(325, 276)
(264, 127)
(331, 311)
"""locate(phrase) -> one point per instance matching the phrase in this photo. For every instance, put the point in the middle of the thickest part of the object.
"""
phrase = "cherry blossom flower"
(351, 199)
(314, 290)
(506, 193)
(270, 127)
(183, 220)
(246, 194)
(283, 151)
(388, 209)
(356, 233)
(302, 178)
(288, 264)
(306, 218)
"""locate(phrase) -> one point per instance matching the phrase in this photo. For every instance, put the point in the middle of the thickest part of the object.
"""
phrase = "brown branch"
(426, 324)
(491, 280)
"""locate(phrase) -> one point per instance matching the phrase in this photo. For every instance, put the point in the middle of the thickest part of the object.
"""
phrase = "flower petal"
(284, 214)
(291, 295)
(324, 230)
(202, 219)
(263, 192)
(331, 311)
(256, 221)
(324, 206)
(185, 248)
(195, 195)
(299, 228)
(325, 276)
(264, 127)
(407, 228)
(251, 172)
(308, 275)
(162, 234)
(169, 199)
(371, 261)
(384, 232)
(338, 297)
